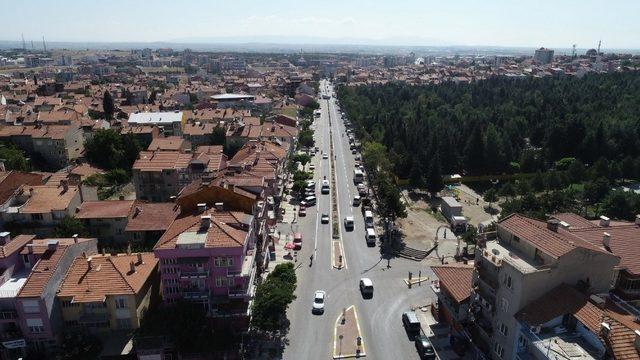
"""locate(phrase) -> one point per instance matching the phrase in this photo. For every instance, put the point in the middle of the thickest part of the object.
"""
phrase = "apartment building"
(14, 274)
(106, 220)
(36, 304)
(56, 145)
(40, 208)
(169, 123)
(108, 292)
(208, 257)
(529, 258)
(454, 295)
(159, 175)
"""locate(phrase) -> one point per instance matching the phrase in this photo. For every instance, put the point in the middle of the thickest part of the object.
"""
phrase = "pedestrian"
(477, 201)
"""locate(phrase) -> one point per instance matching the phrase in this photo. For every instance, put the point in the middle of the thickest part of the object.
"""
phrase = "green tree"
(68, 227)
(272, 298)
(595, 191)
(490, 196)
(434, 177)
(13, 157)
(305, 138)
(232, 147)
(108, 149)
(507, 190)
(117, 176)
(577, 172)
(218, 136)
(107, 105)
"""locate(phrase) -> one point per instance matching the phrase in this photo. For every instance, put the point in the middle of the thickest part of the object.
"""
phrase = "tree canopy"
(500, 125)
(108, 149)
(272, 298)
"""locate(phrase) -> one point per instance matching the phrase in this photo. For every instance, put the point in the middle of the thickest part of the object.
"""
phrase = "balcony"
(199, 274)
(195, 295)
(238, 293)
(234, 273)
(93, 317)
(8, 315)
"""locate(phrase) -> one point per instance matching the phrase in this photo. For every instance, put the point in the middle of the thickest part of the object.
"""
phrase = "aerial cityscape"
(339, 180)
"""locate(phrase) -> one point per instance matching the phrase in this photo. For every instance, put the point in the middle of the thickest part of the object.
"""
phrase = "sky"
(550, 23)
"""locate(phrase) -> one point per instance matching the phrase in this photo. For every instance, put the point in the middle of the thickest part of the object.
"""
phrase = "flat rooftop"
(12, 286)
(496, 251)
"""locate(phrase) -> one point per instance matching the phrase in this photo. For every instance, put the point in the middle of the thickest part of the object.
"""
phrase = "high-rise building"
(543, 56)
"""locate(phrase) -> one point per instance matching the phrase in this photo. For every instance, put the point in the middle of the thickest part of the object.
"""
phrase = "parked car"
(297, 241)
(411, 322)
(356, 200)
(302, 211)
(324, 219)
(318, 302)
(424, 347)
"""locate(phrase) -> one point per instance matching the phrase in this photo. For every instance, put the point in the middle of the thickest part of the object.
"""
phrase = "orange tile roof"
(168, 143)
(109, 275)
(15, 244)
(161, 160)
(561, 300)
(152, 216)
(223, 232)
(47, 198)
(555, 244)
(105, 209)
(45, 267)
(456, 279)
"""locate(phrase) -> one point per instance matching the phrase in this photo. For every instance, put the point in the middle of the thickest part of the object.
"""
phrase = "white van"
(348, 223)
(358, 176)
(370, 237)
(368, 218)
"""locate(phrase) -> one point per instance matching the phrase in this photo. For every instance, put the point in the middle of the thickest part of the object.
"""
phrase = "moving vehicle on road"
(366, 287)
(325, 156)
(424, 347)
(318, 302)
(348, 223)
(297, 241)
(325, 187)
(411, 322)
(324, 219)
(356, 200)
(370, 237)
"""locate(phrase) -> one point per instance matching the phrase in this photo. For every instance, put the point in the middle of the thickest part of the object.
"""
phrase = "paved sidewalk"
(347, 340)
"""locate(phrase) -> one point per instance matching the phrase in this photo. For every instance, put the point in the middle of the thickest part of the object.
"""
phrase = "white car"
(325, 156)
(318, 302)
(324, 219)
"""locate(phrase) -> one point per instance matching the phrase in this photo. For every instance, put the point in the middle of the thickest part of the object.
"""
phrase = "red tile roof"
(15, 244)
(109, 275)
(152, 216)
(455, 279)
(554, 243)
(623, 242)
(105, 209)
(223, 232)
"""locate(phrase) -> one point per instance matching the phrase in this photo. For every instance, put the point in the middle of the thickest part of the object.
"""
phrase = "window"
(508, 281)
(31, 306)
(121, 303)
(25, 259)
(124, 323)
(35, 325)
(499, 350)
(229, 261)
(504, 330)
(37, 217)
(522, 342)
(504, 305)
(221, 281)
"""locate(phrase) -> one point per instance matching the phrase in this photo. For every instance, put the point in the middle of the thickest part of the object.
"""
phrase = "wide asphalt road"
(311, 336)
